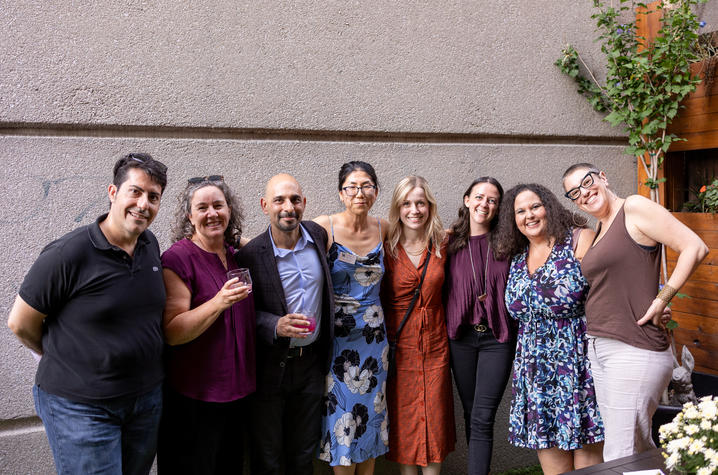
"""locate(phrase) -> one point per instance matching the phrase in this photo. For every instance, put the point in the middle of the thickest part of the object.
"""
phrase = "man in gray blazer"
(290, 283)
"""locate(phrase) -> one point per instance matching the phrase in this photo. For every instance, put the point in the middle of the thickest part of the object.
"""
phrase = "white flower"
(380, 399)
(691, 429)
(385, 431)
(368, 275)
(345, 461)
(330, 384)
(357, 380)
(348, 304)
(672, 460)
(691, 412)
(708, 408)
(374, 316)
(344, 429)
(385, 358)
(704, 471)
(705, 425)
(695, 446)
(325, 453)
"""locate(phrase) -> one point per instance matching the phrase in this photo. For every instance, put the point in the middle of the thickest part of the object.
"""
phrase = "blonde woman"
(419, 395)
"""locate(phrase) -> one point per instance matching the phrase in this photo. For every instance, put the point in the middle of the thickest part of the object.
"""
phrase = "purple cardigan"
(219, 365)
(463, 309)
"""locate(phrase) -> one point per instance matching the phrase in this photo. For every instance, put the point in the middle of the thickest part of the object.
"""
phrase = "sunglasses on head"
(202, 179)
(143, 158)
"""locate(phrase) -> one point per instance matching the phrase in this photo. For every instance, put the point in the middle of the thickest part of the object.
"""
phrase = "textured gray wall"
(449, 90)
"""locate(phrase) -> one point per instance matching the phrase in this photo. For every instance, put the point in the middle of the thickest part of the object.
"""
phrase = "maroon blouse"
(218, 365)
(463, 308)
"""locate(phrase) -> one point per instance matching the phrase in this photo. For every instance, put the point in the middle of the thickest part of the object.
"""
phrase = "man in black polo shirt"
(92, 306)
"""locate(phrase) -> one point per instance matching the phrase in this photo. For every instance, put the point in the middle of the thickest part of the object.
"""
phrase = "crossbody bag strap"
(417, 291)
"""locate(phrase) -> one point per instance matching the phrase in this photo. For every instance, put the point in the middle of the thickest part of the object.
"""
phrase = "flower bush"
(706, 199)
(690, 441)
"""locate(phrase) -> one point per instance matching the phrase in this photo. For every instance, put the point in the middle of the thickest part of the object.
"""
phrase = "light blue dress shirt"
(300, 271)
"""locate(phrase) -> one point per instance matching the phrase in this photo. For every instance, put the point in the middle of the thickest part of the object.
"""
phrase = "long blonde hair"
(433, 231)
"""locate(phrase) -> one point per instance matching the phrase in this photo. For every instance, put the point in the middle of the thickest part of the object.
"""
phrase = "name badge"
(347, 257)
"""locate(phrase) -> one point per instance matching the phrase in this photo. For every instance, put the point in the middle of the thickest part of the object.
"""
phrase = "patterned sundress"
(553, 398)
(354, 423)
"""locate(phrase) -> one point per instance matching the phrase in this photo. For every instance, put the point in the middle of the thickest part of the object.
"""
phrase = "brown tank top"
(624, 281)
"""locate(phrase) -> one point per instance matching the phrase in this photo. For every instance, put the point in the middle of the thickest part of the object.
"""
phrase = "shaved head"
(278, 179)
(283, 202)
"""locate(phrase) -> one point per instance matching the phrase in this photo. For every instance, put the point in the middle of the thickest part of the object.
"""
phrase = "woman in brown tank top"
(629, 352)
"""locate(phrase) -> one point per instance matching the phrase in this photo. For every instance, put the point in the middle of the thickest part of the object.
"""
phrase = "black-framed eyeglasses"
(353, 190)
(586, 182)
(202, 179)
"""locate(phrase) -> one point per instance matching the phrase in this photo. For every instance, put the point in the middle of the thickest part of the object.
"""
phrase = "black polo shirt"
(102, 337)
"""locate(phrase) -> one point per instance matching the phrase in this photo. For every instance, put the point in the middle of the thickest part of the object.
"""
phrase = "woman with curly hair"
(354, 426)
(481, 333)
(419, 396)
(553, 407)
(209, 324)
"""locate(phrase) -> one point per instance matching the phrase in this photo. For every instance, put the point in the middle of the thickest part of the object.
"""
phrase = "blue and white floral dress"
(553, 398)
(354, 424)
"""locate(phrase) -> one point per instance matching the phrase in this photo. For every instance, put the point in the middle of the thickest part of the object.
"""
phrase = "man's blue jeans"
(117, 436)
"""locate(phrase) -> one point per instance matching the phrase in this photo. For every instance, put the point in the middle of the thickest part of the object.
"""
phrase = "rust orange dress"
(420, 401)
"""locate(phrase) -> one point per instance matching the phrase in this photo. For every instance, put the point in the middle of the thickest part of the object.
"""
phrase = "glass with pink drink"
(312, 320)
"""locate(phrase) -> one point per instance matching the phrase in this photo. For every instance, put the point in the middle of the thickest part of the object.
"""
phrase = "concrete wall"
(450, 90)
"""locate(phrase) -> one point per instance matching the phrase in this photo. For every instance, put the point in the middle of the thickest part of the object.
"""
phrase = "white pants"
(629, 382)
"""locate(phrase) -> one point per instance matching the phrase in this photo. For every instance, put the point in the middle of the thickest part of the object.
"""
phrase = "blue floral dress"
(354, 424)
(553, 398)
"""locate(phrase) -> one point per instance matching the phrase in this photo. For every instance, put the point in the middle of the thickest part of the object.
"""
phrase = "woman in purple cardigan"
(481, 334)
(209, 324)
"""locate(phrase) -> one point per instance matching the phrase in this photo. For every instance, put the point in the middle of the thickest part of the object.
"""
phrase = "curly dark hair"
(461, 228)
(507, 240)
(183, 228)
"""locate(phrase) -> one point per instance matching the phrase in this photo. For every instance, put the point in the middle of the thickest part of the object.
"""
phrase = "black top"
(102, 337)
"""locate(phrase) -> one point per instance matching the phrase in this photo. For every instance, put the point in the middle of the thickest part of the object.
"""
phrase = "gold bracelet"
(667, 293)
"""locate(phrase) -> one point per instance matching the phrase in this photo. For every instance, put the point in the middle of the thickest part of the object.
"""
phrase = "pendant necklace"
(482, 296)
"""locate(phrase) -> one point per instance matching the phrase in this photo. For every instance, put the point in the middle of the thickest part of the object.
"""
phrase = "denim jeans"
(481, 367)
(116, 436)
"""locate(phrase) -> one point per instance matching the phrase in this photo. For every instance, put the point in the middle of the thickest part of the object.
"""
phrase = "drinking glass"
(243, 275)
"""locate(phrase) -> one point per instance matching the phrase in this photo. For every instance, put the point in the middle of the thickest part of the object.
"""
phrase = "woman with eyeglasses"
(209, 325)
(419, 394)
(354, 426)
(482, 335)
(553, 404)
(629, 349)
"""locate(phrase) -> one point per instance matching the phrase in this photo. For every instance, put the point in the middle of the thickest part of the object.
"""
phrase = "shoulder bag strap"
(417, 291)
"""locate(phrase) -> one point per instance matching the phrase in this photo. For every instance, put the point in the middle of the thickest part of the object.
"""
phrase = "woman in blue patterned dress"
(354, 425)
(553, 407)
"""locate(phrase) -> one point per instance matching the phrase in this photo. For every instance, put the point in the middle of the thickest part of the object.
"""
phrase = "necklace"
(482, 296)
(412, 253)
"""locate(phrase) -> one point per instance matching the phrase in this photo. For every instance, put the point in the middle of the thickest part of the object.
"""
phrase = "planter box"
(703, 385)
(697, 314)
(697, 122)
